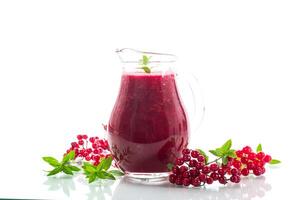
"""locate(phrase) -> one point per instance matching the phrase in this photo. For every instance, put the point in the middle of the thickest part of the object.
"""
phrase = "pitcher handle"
(198, 107)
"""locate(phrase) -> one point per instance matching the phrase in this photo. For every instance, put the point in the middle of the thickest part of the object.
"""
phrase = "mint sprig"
(224, 152)
(144, 63)
(63, 166)
(101, 170)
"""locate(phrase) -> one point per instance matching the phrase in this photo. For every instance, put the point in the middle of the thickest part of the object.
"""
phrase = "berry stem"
(214, 161)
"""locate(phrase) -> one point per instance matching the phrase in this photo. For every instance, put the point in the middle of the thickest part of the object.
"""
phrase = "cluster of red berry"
(193, 169)
(90, 149)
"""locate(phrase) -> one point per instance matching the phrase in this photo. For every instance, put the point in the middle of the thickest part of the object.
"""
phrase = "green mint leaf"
(225, 160)
(105, 164)
(89, 169)
(67, 170)
(145, 60)
(203, 154)
(274, 162)
(216, 152)
(74, 168)
(231, 153)
(51, 161)
(55, 171)
(170, 166)
(92, 178)
(226, 146)
(68, 157)
(116, 173)
(259, 148)
(105, 175)
(146, 69)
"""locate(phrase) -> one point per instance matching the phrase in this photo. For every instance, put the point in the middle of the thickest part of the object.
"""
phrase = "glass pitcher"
(148, 126)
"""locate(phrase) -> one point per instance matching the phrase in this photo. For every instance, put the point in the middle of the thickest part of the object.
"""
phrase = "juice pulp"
(148, 127)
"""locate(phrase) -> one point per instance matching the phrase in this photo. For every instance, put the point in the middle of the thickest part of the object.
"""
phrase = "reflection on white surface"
(64, 183)
(248, 189)
(126, 188)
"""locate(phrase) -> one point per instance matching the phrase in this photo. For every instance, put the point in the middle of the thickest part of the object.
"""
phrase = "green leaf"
(170, 166)
(225, 160)
(203, 154)
(105, 175)
(105, 164)
(92, 178)
(216, 152)
(231, 153)
(68, 157)
(145, 60)
(226, 146)
(67, 170)
(74, 168)
(259, 148)
(55, 171)
(51, 161)
(116, 173)
(146, 69)
(89, 169)
(274, 162)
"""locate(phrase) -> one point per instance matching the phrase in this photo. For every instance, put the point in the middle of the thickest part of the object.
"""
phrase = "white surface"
(59, 76)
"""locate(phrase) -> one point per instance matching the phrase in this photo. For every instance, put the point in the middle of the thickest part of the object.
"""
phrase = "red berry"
(267, 158)
(192, 163)
(263, 170)
(205, 169)
(183, 169)
(202, 177)
(250, 165)
(186, 151)
(196, 182)
(238, 179)
(214, 176)
(244, 160)
(237, 164)
(260, 155)
(92, 139)
(96, 158)
(87, 158)
(195, 154)
(199, 165)
(186, 174)
(247, 149)
(221, 171)
(251, 156)
(209, 180)
(257, 171)
(80, 142)
(175, 170)
(222, 180)
(214, 167)
(245, 172)
(95, 146)
(179, 161)
(194, 173)
(186, 181)
(89, 150)
(79, 137)
(201, 158)
(172, 178)
(74, 144)
(239, 153)
(186, 158)
(234, 171)
(234, 178)
(178, 181)
(84, 137)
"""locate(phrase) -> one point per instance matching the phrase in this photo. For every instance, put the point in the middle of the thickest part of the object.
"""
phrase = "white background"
(59, 77)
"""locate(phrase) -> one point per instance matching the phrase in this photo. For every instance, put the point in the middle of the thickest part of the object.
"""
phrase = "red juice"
(148, 127)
